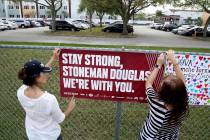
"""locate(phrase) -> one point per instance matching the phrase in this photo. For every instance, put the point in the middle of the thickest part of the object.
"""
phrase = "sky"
(152, 9)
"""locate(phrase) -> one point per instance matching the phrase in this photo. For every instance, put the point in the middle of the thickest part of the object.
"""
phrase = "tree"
(189, 20)
(37, 8)
(199, 4)
(159, 14)
(127, 8)
(21, 6)
(29, 13)
(199, 21)
(69, 3)
(54, 6)
(140, 16)
(88, 7)
(102, 7)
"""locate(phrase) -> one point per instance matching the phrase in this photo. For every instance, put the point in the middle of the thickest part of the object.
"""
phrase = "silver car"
(22, 23)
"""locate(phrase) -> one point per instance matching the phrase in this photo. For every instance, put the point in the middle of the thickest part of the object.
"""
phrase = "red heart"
(200, 57)
(178, 56)
(199, 86)
(206, 85)
(198, 95)
(187, 56)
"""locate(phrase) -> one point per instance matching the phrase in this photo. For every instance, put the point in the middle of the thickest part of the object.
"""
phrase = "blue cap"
(34, 67)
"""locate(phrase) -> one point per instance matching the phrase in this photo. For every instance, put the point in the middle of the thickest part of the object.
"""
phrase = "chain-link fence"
(91, 120)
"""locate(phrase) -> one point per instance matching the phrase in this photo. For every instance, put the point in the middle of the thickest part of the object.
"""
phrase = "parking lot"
(144, 36)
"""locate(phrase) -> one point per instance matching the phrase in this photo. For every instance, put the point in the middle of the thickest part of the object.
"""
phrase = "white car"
(78, 24)
(85, 25)
(10, 25)
(152, 25)
(22, 23)
(158, 26)
(82, 25)
(2, 26)
(184, 28)
(36, 24)
(155, 25)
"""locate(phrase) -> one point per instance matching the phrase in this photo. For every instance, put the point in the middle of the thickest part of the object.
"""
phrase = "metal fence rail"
(91, 120)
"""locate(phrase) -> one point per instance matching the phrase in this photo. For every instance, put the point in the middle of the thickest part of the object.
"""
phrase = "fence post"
(118, 120)
(118, 116)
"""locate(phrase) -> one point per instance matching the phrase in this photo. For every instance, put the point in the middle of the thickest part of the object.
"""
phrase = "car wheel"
(73, 29)
(22, 26)
(107, 30)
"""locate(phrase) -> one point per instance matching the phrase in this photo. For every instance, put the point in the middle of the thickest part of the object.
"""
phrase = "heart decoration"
(199, 86)
(200, 58)
(187, 56)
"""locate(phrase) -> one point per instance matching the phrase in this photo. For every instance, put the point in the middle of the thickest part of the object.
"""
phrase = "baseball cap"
(35, 67)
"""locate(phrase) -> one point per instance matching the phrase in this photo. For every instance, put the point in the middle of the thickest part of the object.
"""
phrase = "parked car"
(87, 22)
(42, 23)
(2, 26)
(10, 25)
(64, 25)
(117, 28)
(175, 31)
(152, 25)
(80, 25)
(158, 26)
(198, 31)
(34, 23)
(117, 22)
(105, 23)
(169, 27)
(155, 25)
(184, 28)
(48, 22)
(22, 23)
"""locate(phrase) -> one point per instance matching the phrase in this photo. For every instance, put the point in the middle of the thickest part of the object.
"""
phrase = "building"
(69, 10)
(181, 16)
(9, 9)
(2, 8)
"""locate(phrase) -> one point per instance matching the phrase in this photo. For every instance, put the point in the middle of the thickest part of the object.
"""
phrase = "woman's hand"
(178, 71)
(152, 76)
(70, 107)
(56, 53)
(71, 104)
(161, 60)
(171, 57)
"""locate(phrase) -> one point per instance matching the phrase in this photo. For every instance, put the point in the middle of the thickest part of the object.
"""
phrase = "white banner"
(196, 69)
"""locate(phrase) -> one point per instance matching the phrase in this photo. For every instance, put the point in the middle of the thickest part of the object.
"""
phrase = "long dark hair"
(173, 92)
(27, 79)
